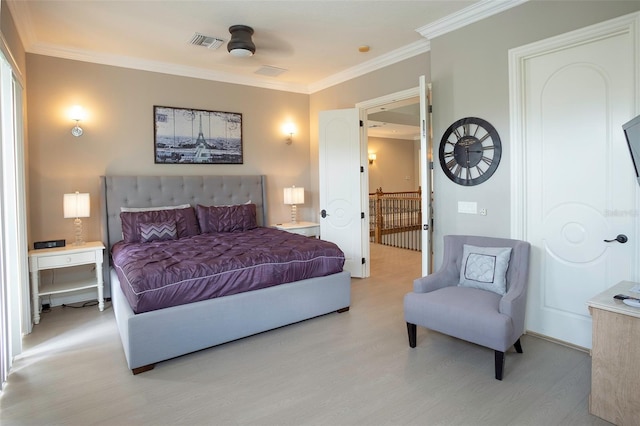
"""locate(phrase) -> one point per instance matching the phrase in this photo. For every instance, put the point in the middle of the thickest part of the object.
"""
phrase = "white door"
(578, 187)
(340, 173)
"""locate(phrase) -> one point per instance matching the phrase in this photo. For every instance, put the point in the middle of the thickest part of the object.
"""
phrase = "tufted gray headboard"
(157, 191)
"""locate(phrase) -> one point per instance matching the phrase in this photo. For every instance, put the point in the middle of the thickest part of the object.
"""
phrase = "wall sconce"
(76, 205)
(289, 129)
(77, 114)
(372, 158)
(294, 196)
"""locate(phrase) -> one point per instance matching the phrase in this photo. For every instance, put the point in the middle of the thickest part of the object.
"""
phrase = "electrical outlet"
(483, 212)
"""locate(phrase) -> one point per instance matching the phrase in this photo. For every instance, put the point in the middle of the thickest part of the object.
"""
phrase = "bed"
(155, 335)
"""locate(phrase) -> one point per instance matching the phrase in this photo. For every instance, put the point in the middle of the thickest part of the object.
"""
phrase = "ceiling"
(315, 42)
(398, 120)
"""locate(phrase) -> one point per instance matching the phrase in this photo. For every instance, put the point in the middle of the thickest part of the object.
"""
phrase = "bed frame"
(155, 336)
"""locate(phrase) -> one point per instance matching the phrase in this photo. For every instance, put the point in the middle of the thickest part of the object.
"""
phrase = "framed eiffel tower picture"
(194, 136)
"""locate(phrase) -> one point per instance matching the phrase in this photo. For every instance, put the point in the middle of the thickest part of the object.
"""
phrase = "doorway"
(343, 174)
(393, 149)
(400, 118)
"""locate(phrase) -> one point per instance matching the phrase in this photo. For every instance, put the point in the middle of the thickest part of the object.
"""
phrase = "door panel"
(340, 184)
(578, 172)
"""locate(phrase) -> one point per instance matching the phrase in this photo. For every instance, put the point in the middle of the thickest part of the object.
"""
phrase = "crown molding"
(474, 13)
(161, 67)
(469, 15)
(406, 52)
(413, 49)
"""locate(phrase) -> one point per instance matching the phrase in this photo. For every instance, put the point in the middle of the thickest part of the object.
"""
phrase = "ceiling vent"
(270, 71)
(206, 41)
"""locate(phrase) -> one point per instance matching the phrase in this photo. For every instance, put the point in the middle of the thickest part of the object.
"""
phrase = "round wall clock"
(470, 151)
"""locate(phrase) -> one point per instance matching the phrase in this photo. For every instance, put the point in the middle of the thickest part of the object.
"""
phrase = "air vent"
(270, 71)
(206, 41)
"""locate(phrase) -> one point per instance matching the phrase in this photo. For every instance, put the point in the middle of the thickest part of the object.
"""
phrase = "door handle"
(324, 213)
(621, 238)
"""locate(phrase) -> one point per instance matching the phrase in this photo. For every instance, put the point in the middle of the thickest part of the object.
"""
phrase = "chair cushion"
(466, 313)
(485, 268)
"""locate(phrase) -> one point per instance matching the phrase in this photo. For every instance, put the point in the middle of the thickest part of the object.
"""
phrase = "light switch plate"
(468, 207)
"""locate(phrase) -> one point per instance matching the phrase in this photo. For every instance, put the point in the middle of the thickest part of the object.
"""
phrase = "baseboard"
(558, 342)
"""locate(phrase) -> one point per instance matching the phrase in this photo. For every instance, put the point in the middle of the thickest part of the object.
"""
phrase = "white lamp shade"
(77, 113)
(294, 195)
(76, 205)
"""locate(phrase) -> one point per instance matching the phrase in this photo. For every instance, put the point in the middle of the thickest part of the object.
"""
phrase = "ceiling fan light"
(241, 53)
(241, 44)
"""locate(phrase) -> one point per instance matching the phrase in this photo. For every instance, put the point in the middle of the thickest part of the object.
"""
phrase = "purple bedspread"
(168, 273)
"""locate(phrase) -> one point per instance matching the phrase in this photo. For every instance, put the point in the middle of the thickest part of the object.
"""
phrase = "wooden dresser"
(615, 357)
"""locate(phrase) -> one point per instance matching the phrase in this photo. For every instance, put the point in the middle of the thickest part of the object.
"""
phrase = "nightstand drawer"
(309, 232)
(308, 229)
(66, 259)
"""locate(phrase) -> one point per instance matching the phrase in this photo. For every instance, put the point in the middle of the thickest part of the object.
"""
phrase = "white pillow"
(485, 268)
(148, 209)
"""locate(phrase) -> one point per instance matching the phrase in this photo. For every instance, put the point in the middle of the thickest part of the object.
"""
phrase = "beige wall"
(12, 39)
(118, 135)
(393, 169)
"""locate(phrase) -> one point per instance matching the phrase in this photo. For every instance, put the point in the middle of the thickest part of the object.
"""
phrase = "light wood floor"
(354, 368)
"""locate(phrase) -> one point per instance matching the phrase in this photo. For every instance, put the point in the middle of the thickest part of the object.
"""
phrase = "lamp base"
(78, 232)
(294, 214)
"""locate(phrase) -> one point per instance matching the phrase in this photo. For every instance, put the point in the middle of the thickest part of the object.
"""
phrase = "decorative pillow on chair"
(158, 231)
(485, 268)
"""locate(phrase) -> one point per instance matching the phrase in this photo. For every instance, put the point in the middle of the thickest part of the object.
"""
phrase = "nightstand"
(64, 257)
(309, 229)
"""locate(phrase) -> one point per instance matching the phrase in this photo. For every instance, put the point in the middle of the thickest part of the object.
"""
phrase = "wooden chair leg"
(499, 361)
(518, 346)
(411, 330)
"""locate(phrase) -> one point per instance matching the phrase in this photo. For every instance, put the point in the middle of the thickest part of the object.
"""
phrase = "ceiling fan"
(241, 44)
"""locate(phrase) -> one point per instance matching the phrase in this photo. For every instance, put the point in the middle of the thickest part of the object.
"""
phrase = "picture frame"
(195, 136)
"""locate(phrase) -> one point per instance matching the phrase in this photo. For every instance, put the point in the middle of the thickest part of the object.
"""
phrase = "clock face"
(470, 151)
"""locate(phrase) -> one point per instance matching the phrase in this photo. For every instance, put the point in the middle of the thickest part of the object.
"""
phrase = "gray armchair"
(475, 310)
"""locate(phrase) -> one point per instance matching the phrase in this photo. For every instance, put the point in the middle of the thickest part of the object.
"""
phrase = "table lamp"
(294, 196)
(76, 205)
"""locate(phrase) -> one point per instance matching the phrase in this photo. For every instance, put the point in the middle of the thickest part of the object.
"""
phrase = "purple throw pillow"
(160, 231)
(185, 220)
(240, 217)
